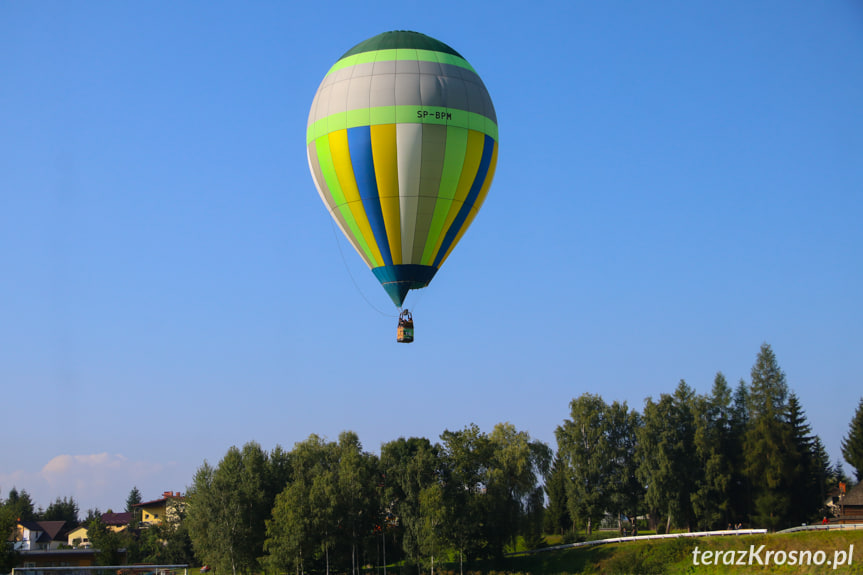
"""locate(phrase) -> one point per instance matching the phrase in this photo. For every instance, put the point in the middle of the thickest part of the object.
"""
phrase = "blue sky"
(677, 183)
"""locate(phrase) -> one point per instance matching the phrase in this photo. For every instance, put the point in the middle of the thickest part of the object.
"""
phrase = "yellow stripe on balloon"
(384, 154)
(472, 158)
(474, 210)
(345, 172)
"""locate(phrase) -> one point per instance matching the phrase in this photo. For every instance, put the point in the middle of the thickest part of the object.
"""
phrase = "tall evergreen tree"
(808, 489)
(557, 519)
(852, 444)
(666, 444)
(65, 509)
(772, 458)
(740, 489)
(21, 505)
(132, 500)
(714, 445)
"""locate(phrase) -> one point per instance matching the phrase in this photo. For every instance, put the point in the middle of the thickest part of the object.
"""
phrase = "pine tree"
(852, 444)
(557, 519)
(740, 490)
(666, 442)
(808, 486)
(132, 500)
(772, 459)
(710, 498)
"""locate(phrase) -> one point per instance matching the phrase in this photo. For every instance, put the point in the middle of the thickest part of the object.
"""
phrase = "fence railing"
(827, 527)
(720, 533)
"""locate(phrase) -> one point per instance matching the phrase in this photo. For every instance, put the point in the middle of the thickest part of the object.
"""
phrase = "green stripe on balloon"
(325, 160)
(454, 154)
(402, 115)
(396, 55)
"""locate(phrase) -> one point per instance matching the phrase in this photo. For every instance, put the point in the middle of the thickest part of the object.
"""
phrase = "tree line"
(743, 455)
(331, 505)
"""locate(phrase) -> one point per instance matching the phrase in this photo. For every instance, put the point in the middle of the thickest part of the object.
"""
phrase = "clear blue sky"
(678, 183)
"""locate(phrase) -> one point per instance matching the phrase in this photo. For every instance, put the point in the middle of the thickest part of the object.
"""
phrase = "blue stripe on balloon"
(362, 160)
(479, 180)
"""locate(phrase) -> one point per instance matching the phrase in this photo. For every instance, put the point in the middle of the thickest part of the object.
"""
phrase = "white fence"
(723, 532)
(97, 569)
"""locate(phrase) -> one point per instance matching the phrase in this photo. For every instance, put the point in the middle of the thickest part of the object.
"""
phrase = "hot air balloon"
(402, 145)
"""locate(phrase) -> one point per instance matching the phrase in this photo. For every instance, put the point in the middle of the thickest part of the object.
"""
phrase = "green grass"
(674, 556)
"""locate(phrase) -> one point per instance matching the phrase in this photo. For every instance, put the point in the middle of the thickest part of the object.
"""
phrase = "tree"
(626, 492)
(465, 459)
(21, 505)
(305, 521)
(808, 488)
(772, 459)
(8, 555)
(584, 446)
(408, 467)
(111, 545)
(740, 490)
(227, 508)
(852, 444)
(132, 500)
(666, 443)
(713, 447)
(557, 519)
(433, 517)
(357, 499)
(514, 471)
(65, 509)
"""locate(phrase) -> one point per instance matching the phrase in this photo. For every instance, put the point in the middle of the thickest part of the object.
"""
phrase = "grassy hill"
(781, 553)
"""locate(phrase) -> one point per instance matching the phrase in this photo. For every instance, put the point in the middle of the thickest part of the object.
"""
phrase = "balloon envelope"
(402, 145)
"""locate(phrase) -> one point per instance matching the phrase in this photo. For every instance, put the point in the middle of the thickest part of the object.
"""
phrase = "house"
(79, 539)
(40, 535)
(45, 544)
(168, 507)
(58, 558)
(851, 505)
(116, 521)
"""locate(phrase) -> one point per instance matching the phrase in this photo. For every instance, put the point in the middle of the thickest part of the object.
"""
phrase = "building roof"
(854, 495)
(116, 519)
(51, 530)
(166, 496)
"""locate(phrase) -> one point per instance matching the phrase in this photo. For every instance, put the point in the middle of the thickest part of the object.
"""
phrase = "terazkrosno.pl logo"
(762, 556)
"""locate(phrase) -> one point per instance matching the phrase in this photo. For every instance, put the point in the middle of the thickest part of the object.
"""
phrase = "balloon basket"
(405, 331)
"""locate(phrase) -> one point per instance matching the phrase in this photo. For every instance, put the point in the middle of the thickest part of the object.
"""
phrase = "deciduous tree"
(228, 507)
(584, 446)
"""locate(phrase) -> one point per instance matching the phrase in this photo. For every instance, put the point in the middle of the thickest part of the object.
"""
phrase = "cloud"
(100, 480)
